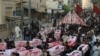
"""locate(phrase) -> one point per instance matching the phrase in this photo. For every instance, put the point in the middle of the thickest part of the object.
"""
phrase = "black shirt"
(28, 47)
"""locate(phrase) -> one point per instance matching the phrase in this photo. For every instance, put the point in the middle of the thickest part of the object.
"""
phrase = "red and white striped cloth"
(72, 18)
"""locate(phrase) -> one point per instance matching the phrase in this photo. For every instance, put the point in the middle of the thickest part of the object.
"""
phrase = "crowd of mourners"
(85, 35)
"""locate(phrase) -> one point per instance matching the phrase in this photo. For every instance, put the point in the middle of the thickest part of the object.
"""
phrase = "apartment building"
(6, 9)
(12, 7)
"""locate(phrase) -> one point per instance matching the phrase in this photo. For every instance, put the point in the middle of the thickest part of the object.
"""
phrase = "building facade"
(87, 4)
(38, 5)
(65, 2)
(11, 8)
(6, 9)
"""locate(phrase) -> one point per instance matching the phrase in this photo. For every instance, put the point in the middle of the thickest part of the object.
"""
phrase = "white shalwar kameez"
(96, 50)
(17, 31)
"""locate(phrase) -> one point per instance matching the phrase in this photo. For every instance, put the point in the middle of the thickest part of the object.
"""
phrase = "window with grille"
(17, 12)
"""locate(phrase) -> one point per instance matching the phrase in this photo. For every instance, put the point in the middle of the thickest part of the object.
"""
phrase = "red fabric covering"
(72, 18)
(78, 9)
(96, 10)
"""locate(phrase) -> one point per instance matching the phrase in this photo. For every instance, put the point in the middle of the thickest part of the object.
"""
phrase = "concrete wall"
(2, 14)
(65, 2)
(42, 6)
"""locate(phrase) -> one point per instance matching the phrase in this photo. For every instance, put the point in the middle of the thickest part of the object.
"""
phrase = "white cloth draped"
(54, 51)
(75, 53)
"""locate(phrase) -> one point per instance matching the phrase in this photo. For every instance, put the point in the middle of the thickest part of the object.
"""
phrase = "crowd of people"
(88, 35)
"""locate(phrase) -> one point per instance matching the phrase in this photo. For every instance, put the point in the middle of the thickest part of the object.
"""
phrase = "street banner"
(35, 42)
(32, 52)
(20, 43)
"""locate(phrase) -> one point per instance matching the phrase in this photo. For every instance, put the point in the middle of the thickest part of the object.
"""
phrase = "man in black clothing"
(15, 54)
(0, 40)
(7, 42)
(63, 26)
(54, 23)
(12, 44)
(26, 34)
(68, 50)
(28, 46)
(33, 33)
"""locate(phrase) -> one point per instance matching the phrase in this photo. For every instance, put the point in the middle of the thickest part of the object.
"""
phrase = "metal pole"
(29, 11)
(22, 18)
(29, 15)
(10, 28)
(52, 14)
